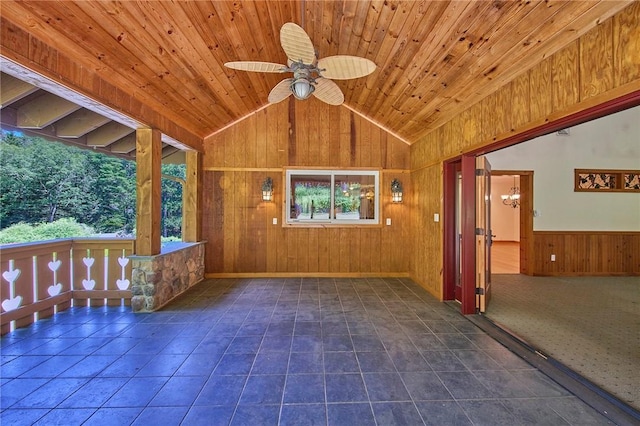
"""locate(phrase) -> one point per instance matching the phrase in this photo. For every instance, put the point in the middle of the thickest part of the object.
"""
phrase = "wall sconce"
(267, 189)
(396, 191)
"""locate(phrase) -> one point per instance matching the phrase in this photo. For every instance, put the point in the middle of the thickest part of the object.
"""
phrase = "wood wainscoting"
(586, 253)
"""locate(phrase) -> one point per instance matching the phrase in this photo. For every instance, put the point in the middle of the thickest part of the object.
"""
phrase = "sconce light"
(396, 191)
(267, 189)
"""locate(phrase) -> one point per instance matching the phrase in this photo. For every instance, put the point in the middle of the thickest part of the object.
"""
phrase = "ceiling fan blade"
(281, 91)
(256, 66)
(297, 44)
(328, 91)
(343, 67)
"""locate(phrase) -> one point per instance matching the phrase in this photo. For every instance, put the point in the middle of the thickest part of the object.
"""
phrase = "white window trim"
(332, 173)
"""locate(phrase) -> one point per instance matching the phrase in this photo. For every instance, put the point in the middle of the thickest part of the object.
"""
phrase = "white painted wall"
(505, 220)
(611, 142)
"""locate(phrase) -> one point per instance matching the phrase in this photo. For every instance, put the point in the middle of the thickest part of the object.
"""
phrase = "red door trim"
(468, 194)
(468, 258)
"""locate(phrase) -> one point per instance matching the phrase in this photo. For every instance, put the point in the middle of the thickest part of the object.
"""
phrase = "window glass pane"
(332, 196)
(354, 197)
(311, 197)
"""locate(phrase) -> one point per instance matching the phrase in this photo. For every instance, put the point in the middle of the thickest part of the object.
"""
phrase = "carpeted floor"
(590, 324)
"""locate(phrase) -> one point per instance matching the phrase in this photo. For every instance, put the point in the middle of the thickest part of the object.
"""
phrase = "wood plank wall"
(587, 253)
(237, 224)
(602, 65)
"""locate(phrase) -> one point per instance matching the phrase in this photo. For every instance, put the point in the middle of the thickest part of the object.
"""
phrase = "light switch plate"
(388, 221)
(275, 220)
(436, 217)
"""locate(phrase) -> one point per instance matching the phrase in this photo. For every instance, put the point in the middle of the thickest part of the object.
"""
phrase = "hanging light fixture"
(512, 199)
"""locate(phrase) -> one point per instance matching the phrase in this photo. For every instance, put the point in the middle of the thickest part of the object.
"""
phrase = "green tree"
(41, 181)
(114, 189)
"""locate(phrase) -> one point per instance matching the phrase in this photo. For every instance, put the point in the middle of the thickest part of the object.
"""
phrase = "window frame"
(332, 173)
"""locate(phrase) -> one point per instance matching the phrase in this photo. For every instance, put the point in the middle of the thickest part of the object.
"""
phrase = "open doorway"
(505, 223)
(511, 221)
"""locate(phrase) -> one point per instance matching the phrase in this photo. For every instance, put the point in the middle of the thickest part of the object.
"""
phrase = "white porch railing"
(39, 279)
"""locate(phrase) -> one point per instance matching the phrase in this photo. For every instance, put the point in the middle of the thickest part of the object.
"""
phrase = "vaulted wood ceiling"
(434, 58)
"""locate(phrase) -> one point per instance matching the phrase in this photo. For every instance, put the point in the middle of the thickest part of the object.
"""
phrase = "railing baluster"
(40, 279)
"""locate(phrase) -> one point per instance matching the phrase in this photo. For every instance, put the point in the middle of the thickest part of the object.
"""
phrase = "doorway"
(512, 221)
(464, 246)
(460, 239)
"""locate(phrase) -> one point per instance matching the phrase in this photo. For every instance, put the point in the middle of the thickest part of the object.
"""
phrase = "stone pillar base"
(155, 280)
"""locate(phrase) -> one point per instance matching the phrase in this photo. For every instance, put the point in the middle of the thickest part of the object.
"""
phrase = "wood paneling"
(540, 90)
(425, 233)
(587, 253)
(238, 225)
(596, 60)
(565, 77)
(626, 45)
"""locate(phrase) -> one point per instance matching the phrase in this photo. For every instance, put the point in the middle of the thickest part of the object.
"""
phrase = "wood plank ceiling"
(434, 58)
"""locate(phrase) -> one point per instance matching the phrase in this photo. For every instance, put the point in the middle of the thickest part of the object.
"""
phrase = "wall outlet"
(553, 257)
(388, 221)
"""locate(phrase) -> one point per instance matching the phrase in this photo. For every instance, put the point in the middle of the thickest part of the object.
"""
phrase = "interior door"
(483, 233)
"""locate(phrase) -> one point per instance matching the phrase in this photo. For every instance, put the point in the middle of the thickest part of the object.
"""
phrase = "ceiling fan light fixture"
(308, 69)
(302, 88)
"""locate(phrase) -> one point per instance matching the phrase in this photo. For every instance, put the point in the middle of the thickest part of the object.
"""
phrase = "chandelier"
(512, 199)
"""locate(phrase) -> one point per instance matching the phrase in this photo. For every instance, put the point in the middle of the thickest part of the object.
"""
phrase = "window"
(333, 196)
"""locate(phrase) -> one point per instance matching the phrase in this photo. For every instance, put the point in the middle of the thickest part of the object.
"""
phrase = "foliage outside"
(61, 228)
(42, 182)
(316, 197)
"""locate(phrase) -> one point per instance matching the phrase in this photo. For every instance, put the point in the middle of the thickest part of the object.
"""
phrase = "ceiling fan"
(310, 74)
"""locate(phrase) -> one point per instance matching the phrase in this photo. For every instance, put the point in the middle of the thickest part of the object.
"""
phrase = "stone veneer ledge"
(156, 280)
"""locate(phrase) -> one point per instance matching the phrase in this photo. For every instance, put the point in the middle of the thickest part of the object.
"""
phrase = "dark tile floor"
(276, 351)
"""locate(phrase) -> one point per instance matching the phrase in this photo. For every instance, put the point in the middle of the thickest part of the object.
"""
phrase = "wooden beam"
(108, 134)
(148, 195)
(79, 123)
(13, 89)
(124, 145)
(191, 198)
(44, 110)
